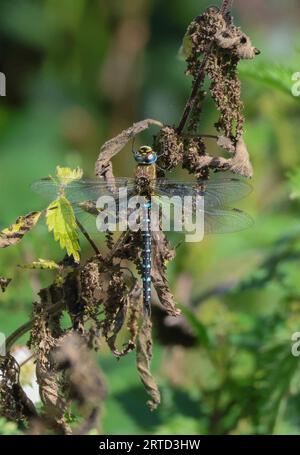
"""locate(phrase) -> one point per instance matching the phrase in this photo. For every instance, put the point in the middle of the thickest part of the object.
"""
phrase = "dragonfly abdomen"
(146, 258)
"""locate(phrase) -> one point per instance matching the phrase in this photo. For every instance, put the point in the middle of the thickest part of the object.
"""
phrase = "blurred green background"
(80, 71)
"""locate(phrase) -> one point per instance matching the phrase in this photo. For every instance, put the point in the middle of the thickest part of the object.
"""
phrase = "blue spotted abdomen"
(146, 257)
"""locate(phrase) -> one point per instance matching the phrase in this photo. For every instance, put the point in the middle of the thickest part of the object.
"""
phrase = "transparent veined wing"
(226, 221)
(82, 190)
(220, 191)
(84, 194)
(179, 217)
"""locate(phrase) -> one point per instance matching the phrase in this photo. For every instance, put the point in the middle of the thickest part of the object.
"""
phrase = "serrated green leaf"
(41, 264)
(60, 219)
(67, 175)
(15, 233)
(273, 75)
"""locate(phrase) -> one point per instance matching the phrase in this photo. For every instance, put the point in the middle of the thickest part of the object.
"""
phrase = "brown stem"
(197, 84)
(207, 136)
(87, 236)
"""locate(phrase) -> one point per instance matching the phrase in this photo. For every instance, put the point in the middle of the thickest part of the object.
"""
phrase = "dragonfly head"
(145, 155)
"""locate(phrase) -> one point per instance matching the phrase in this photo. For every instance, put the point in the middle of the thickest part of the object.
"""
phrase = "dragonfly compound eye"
(145, 155)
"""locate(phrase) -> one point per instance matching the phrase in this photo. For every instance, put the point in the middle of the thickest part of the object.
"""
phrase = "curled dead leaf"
(240, 163)
(144, 356)
(15, 233)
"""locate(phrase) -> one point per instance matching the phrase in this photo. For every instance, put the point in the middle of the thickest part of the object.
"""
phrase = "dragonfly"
(217, 193)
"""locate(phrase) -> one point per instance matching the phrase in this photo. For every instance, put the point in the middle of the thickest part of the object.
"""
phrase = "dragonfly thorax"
(145, 155)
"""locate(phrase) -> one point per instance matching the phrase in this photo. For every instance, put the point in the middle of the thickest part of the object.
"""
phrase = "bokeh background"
(80, 71)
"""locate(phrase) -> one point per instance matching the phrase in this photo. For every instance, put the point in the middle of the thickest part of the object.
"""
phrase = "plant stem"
(207, 136)
(197, 84)
(87, 236)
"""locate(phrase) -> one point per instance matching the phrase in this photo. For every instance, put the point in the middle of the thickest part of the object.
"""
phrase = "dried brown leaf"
(55, 405)
(161, 254)
(144, 356)
(16, 231)
(240, 163)
(14, 403)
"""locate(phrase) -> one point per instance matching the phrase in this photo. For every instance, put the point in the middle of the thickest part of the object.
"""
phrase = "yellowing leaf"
(186, 48)
(61, 220)
(66, 175)
(41, 264)
(13, 234)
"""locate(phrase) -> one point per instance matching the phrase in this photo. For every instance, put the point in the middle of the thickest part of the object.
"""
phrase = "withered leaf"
(55, 405)
(144, 356)
(226, 144)
(161, 253)
(15, 233)
(240, 163)
(14, 403)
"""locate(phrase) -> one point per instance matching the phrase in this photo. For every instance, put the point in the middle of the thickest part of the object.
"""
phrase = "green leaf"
(15, 233)
(273, 75)
(197, 326)
(60, 219)
(67, 175)
(41, 264)
(186, 48)
(8, 428)
(275, 372)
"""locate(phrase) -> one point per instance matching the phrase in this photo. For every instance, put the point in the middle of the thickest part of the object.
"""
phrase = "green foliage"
(243, 290)
(197, 326)
(61, 220)
(60, 217)
(271, 75)
(8, 428)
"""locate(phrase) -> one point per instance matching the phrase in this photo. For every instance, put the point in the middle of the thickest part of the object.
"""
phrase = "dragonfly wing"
(226, 221)
(46, 188)
(218, 192)
(215, 220)
(83, 190)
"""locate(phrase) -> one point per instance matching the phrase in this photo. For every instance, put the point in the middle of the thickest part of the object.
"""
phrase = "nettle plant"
(104, 295)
